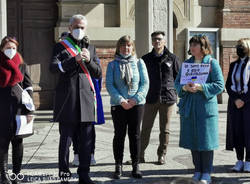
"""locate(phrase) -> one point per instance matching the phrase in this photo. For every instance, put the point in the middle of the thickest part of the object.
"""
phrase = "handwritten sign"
(194, 73)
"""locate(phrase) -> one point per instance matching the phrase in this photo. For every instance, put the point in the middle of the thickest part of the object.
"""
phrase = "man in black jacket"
(74, 106)
(162, 67)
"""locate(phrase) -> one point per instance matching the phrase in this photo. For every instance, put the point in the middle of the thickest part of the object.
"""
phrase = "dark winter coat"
(10, 105)
(232, 134)
(74, 98)
(162, 72)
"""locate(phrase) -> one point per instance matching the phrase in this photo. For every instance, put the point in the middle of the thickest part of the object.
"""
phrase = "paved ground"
(43, 166)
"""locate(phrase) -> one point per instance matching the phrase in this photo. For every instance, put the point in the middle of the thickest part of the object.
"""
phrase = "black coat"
(10, 104)
(74, 98)
(162, 72)
(232, 134)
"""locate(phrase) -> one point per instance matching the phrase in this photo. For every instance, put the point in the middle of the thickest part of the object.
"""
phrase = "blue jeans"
(203, 161)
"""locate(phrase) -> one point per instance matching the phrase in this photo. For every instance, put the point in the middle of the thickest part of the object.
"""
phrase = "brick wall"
(232, 14)
(105, 55)
(228, 55)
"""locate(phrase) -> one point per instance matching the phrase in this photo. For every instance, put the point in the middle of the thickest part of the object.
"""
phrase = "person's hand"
(198, 86)
(85, 55)
(78, 57)
(239, 103)
(132, 102)
(29, 118)
(126, 105)
(191, 87)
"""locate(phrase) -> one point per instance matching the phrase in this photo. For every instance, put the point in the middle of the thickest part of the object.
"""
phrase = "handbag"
(24, 127)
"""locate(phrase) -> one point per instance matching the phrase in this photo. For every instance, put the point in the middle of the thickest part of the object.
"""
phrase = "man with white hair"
(75, 102)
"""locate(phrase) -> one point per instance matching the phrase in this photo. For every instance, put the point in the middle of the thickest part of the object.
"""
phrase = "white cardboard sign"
(194, 73)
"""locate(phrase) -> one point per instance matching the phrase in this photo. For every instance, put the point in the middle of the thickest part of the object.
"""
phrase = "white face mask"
(10, 53)
(78, 34)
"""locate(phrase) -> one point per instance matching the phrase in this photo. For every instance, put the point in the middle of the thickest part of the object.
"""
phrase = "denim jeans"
(203, 161)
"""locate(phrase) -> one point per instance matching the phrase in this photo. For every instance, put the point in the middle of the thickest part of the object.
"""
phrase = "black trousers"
(241, 127)
(122, 119)
(76, 139)
(67, 131)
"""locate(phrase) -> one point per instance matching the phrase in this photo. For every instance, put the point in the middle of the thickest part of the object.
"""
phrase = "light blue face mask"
(125, 56)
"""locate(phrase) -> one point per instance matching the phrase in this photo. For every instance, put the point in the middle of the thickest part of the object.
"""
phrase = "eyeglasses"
(157, 39)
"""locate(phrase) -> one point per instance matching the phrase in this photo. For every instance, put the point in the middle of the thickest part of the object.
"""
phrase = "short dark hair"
(157, 33)
(204, 43)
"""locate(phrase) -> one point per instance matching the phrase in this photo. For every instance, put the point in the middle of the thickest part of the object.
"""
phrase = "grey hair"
(78, 17)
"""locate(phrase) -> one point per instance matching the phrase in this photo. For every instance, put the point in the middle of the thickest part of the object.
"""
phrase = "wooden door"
(33, 22)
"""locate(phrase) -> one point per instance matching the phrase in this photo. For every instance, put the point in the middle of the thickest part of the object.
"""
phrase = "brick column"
(105, 55)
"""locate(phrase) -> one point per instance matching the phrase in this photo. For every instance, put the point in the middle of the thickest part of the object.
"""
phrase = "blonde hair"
(125, 40)
(245, 43)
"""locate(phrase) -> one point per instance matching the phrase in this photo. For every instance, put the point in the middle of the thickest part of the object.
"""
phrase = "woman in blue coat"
(127, 83)
(199, 110)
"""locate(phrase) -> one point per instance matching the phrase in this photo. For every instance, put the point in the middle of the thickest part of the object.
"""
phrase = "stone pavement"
(43, 166)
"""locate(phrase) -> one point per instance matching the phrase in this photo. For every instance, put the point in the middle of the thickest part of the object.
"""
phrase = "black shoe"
(86, 181)
(118, 171)
(136, 173)
(161, 160)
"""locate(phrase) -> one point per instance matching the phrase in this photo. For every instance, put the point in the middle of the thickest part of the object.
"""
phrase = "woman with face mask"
(127, 84)
(238, 119)
(13, 72)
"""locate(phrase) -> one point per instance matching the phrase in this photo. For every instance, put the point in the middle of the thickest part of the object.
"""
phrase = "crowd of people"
(139, 88)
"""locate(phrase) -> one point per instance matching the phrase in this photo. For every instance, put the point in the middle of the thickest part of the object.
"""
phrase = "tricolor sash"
(74, 50)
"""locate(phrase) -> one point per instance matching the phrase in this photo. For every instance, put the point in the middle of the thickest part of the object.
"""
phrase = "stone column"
(152, 15)
(3, 19)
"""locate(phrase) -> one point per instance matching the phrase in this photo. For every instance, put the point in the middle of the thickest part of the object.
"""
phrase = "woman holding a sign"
(13, 76)
(238, 119)
(198, 88)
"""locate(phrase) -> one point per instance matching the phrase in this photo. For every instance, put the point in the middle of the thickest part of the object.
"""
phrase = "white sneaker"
(205, 178)
(238, 166)
(75, 162)
(204, 182)
(92, 161)
(246, 167)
